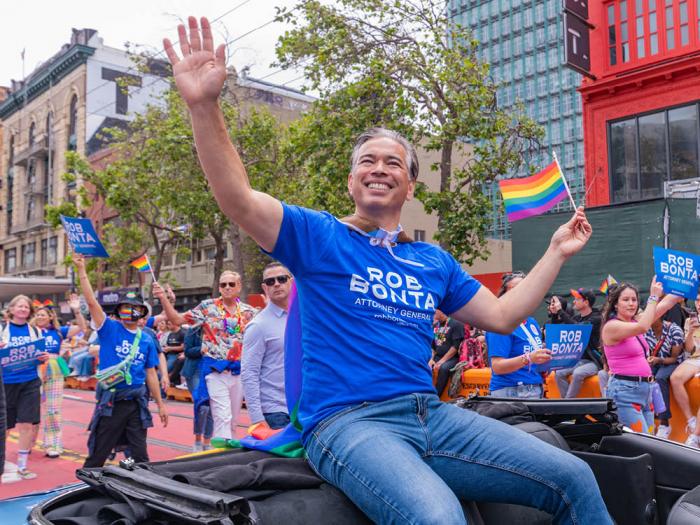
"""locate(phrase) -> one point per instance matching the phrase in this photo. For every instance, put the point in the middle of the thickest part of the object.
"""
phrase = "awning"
(32, 286)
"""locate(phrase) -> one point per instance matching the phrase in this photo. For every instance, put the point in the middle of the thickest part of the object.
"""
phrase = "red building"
(640, 115)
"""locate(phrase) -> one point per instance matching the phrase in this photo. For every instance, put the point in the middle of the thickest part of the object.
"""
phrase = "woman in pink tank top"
(622, 334)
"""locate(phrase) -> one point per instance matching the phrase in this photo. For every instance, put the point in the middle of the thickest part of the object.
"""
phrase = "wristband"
(653, 299)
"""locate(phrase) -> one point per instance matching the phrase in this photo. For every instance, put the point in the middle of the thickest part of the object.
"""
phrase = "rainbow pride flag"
(607, 283)
(533, 195)
(142, 264)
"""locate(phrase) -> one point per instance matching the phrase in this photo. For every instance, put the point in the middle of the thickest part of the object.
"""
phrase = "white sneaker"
(183, 386)
(663, 431)
(690, 426)
(693, 441)
(18, 475)
(197, 447)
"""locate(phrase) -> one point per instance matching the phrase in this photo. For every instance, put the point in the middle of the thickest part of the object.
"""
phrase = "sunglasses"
(270, 281)
(229, 285)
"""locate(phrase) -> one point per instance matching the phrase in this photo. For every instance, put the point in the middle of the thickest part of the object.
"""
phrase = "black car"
(643, 479)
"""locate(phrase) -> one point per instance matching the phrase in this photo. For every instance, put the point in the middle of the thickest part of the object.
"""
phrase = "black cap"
(133, 299)
(585, 294)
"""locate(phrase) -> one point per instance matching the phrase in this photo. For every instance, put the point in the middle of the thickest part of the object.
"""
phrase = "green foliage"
(407, 66)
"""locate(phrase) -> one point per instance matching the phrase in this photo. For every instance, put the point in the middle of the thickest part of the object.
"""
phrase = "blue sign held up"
(21, 357)
(566, 342)
(82, 237)
(677, 271)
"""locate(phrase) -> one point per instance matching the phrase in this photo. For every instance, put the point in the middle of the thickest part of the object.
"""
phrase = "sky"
(41, 27)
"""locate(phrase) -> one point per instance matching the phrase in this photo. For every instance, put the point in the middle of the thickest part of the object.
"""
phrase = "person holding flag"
(22, 386)
(127, 373)
(367, 294)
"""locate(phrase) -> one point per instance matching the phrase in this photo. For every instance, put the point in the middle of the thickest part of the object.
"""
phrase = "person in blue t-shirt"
(56, 368)
(367, 295)
(22, 386)
(512, 357)
(121, 415)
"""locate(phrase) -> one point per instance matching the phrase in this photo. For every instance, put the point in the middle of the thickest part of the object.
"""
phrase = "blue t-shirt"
(115, 346)
(54, 338)
(366, 317)
(513, 345)
(19, 335)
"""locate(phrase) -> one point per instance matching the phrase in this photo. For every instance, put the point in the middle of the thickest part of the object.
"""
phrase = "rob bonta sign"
(21, 357)
(677, 271)
(566, 342)
(82, 237)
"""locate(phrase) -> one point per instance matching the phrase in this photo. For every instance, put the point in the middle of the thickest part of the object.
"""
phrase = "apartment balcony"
(40, 149)
(27, 226)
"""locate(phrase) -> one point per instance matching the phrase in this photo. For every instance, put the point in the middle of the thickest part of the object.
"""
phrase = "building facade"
(524, 43)
(640, 114)
(63, 105)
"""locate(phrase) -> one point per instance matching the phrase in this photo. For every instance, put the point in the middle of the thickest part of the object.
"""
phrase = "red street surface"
(163, 443)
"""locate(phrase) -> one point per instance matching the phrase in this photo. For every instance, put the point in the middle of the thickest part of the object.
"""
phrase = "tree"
(409, 66)
(157, 188)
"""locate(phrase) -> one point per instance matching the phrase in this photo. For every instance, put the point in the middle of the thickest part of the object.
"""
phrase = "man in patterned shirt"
(222, 325)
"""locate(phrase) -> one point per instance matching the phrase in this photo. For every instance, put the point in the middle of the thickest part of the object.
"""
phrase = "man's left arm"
(503, 314)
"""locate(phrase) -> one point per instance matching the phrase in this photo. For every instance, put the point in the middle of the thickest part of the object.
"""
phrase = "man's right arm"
(199, 77)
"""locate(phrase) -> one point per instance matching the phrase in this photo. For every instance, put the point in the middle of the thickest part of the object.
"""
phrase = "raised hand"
(201, 72)
(656, 288)
(74, 302)
(571, 237)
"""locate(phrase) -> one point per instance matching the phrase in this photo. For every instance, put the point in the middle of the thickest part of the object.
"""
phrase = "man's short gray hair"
(373, 133)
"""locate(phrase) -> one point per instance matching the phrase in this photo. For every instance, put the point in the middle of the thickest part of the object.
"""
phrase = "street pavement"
(163, 443)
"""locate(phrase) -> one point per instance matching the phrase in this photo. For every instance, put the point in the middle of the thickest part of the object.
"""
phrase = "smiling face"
(20, 311)
(627, 304)
(379, 182)
(42, 318)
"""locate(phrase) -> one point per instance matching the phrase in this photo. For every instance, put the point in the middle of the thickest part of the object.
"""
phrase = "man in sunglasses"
(222, 323)
(262, 367)
(373, 425)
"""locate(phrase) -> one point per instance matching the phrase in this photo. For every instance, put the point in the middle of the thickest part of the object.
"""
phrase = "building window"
(639, 26)
(52, 257)
(539, 13)
(11, 260)
(612, 35)
(683, 26)
(683, 137)
(73, 124)
(419, 235)
(44, 252)
(32, 128)
(28, 255)
(670, 31)
(640, 158)
(529, 41)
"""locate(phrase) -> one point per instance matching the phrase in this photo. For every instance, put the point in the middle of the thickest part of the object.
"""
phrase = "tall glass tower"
(523, 40)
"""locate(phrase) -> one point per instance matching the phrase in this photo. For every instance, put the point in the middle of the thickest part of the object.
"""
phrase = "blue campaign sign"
(21, 357)
(566, 342)
(82, 237)
(677, 271)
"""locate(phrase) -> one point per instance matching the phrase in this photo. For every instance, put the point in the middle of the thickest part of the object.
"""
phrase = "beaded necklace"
(232, 322)
(440, 332)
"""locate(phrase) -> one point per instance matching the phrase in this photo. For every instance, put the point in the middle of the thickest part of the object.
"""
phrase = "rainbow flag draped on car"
(534, 195)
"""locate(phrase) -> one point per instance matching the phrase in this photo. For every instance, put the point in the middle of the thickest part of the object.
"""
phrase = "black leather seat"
(686, 511)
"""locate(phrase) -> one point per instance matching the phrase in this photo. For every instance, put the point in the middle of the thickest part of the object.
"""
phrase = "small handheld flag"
(607, 283)
(534, 195)
(142, 264)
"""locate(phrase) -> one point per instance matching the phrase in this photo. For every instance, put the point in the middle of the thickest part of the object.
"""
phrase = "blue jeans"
(276, 420)
(633, 400)
(520, 391)
(410, 460)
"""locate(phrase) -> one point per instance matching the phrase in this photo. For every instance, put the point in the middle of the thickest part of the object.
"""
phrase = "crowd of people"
(137, 356)
(637, 353)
